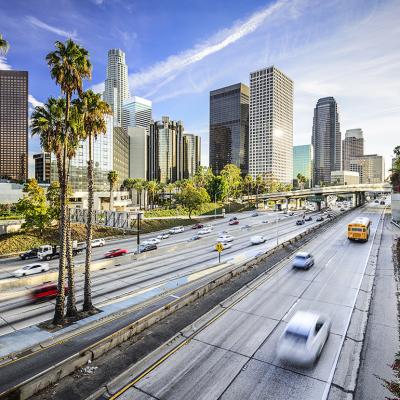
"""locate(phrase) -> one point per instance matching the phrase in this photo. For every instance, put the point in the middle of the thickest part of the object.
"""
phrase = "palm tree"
(4, 45)
(93, 111)
(69, 65)
(139, 186)
(112, 178)
(248, 185)
(152, 190)
(301, 179)
(170, 187)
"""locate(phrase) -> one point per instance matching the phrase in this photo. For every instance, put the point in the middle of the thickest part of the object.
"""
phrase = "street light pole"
(277, 230)
(215, 205)
(139, 216)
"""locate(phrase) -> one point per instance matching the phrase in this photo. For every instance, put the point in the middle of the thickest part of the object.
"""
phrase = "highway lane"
(234, 357)
(127, 277)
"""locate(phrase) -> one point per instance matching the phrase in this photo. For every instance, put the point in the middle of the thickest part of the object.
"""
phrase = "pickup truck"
(48, 252)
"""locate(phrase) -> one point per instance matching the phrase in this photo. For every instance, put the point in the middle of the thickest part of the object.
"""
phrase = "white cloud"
(4, 64)
(34, 102)
(98, 87)
(40, 24)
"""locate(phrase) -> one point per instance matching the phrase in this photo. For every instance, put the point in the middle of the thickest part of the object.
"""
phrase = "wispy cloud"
(4, 64)
(42, 25)
(34, 102)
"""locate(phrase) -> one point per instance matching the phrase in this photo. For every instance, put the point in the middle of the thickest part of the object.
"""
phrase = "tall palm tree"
(139, 186)
(248, 185)
(170, 188)
(4, 45)
(94, 111)
(112, 178)
(69, 65)
(152, 190)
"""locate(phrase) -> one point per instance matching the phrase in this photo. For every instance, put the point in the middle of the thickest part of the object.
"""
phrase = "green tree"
(231, 175)
(4, 45)
(112, 178)
(69, 65)
(152, 188)
(248, 183)
(33, 206)
(203, 177)
(170, 188)
(302, 180)
(192, 198)
(139, 185)
(395, 171)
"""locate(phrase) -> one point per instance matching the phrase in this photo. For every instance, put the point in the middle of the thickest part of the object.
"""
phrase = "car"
(164, 235)
(376, 201)
(234, 222)
(98, 242)
(143, 247)
(255, 214)
(32, 253)
(205, 231)
(151, 241)
(226, 245)
(195, 237)
(329, 215)
(382, 202)
(31, 269)
(225, 238)
(342, 209)
(303, 260)
(308, 218)
(177, 229)
(304, 338)
(116, 253)
(233, 219)
(246, 227)
(265, 221)
(47, 291)
(197, 226)
(300, 222)
(257, 239)
(320, 218)
(291, 214)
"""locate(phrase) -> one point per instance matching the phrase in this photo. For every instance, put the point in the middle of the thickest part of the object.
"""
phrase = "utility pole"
(139, 216)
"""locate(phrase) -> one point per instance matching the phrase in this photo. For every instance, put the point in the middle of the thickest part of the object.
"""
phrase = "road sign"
(219, 247)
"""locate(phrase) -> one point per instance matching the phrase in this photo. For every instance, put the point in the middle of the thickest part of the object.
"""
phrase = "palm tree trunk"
(87, 303)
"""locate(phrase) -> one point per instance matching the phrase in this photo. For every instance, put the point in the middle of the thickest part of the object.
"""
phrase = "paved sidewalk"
(382, 336)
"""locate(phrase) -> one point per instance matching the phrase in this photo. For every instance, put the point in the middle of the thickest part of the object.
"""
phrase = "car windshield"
(27, 267)
(299, 336)
(301, 257)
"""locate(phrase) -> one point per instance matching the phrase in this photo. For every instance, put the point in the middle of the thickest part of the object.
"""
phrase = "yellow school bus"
(359, 229)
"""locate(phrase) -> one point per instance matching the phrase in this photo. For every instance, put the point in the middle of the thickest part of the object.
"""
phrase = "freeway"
(231, 353)
(126, 278)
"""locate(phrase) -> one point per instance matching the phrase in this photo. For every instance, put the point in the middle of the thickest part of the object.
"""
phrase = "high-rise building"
(353, 146)
(42, 167)
(303, 162)
(121, 153)
(271, 125)
(166, 151)
(116, 88)
(229, 127)
(371, 168)
(136, 112)
(191, 155)
(345, 178)
(138, 152)
(14, 125)
(326, 140)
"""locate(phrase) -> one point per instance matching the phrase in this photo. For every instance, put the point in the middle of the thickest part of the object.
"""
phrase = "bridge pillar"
(362, 198)
(325, 200)
(354, 200)
(297, 204)
(287, 203)
(318, 205)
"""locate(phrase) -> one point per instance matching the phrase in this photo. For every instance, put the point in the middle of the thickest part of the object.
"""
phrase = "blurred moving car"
(226, 245)
(145, 247)
(309, 218)
(255, 214)
(303, 260)
(177, 229)
(382, 202)
(195, 237)
(265, 221)
(233, 219)
(300, 222)
(342, 209)
(320, 218)
(329, 215)
(116, 253)
(31, 269)
(291, 214)
(164, 235)
(46, 292)
(304, 338)
(225, 238)
(197, 226)
(98, 242)
(234, 222)
(32, 253)
(205, 231)
(257, 239)
(151, 241)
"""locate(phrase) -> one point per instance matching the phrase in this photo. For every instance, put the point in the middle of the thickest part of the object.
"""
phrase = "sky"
(179, 50)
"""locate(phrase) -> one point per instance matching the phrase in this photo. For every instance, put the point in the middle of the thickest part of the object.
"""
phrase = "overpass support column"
(362, 198)
(287, 203)
(318, 206)
(326, 200)
(297, 204)
(354, 200)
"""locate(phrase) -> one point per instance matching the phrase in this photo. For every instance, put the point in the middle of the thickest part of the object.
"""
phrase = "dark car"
(329, 215)
(309, 218)
(320, 218)
(146, 247)
(47, 291)
(116, 253)
(300, 222)
(234, 222)
(291, 214)
(198, 226)
(32, 253)
(382, 203)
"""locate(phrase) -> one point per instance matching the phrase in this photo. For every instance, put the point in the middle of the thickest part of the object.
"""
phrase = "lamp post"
(139, 217)
(277, 229)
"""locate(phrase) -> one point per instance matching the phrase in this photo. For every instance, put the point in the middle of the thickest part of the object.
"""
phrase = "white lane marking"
(330, 379)
(290, 309)
(175, 297)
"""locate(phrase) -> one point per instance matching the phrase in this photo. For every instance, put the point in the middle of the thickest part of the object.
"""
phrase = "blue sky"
(177, 51)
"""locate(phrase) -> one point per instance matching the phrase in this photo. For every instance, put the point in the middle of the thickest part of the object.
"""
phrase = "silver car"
(304, 338)
(303, 260)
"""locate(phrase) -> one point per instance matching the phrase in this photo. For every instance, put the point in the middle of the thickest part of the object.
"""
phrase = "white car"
(204, 231)
(225, 238)
(151, 241)
(31, 269)
(257, 239)
(304, 338)
(164, 235)
(98, 242)
(177, 229)
(226, 245)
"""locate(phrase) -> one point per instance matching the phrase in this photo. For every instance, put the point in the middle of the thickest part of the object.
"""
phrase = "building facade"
(14, 125)
(138, 152)
(303, 163)
(121, 153)
(229, 127)
(345, 178)
(136, 112)
(116, 88)
(165, 151)
(42, 167)
(353, 146)
(326, 140)
(370, 167)
(271, 125)
(191, 155)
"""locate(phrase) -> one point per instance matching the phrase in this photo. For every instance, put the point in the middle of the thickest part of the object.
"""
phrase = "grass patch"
(154, 225)
(12, 216)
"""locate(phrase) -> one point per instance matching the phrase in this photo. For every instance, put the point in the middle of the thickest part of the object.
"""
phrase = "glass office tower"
(303, 162)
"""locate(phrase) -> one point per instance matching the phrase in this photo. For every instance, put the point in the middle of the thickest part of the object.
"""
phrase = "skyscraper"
(136, 112)
(116, 84)
(191, 155)
(371, 168)
(326, 140)
(271, 125)
(166, 151)
(14, 125)
(121, 153)
(42, 167)
(229, 127)
(303, 162)
(353, 146)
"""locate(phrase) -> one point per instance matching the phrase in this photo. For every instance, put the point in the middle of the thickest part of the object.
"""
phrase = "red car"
(234, 222)
(47, 291)
(116, 253)
(198, 226)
